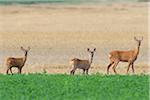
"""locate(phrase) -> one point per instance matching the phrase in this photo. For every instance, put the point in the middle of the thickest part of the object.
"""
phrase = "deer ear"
(22, 48)
(94, 49)
(28, 48)
(135, 39)
(88, 49)
(138, 39)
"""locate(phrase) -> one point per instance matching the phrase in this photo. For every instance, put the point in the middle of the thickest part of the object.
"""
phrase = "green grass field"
(78, 87)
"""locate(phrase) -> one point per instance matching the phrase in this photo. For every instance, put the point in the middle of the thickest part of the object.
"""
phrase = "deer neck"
(90, 59)
(137, 50)
(25, 58)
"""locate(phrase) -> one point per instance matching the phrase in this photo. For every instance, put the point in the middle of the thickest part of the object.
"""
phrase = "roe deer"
(124, 56)
(17, 62)
(82, 64)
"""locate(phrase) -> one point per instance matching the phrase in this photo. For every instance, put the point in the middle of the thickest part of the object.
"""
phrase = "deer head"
(91, 53)
(25, 50)
(138, 41)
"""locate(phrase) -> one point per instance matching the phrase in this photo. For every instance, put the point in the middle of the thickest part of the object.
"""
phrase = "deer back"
(16, 62)
(122, 55)
(83, 64)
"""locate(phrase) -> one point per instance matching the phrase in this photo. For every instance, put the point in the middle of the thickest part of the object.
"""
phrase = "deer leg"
(19, 70)
(128, 67)
(73, 71)
(133, 67)
(87, 71)
(11, 70)
(83, 71)
(114, 67)
(109, 67)
(7, 70)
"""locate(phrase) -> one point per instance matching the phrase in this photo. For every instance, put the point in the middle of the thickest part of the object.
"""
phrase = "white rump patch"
(109, 55)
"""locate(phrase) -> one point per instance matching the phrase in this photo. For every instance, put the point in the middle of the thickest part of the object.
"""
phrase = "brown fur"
(124, 56)
(17, 62)
(82, 64)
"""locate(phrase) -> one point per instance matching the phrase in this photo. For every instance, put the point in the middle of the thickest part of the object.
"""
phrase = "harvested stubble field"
(79, 87)
(57, 33)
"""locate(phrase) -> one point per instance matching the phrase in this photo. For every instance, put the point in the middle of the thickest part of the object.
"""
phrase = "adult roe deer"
(124, 56)
(82, 64)
(17, 62)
